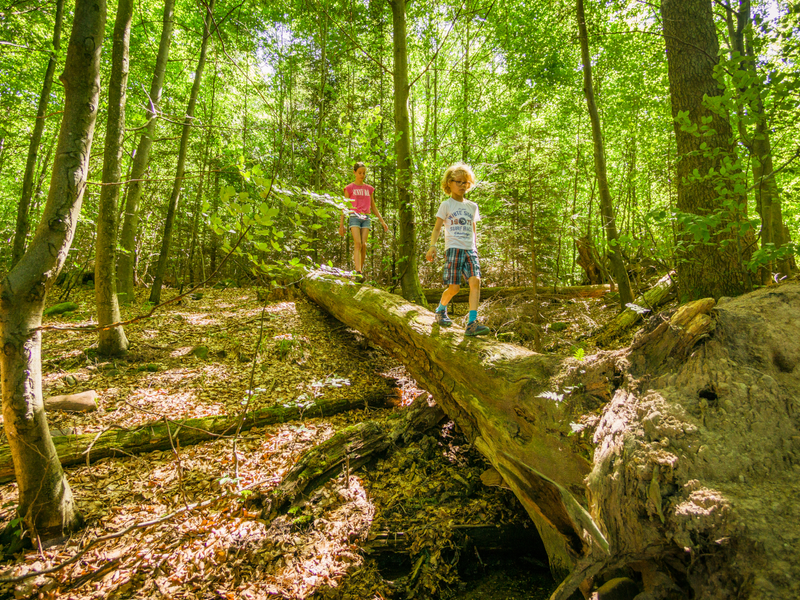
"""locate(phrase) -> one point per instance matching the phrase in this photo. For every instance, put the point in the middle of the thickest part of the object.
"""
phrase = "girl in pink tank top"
(362, 201)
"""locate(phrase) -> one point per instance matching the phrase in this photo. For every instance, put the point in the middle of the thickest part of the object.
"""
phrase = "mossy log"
(576, 291)
(673, 458)
(656, 296)
(348, 450)
(161, 435)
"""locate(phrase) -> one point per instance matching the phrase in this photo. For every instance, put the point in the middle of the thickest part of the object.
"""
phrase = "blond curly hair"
(455, 169)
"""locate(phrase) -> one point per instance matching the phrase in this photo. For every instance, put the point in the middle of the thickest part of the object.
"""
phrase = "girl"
(362, 198)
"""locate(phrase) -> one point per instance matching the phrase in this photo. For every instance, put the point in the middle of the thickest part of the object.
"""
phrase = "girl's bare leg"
(358, 254)
(364, 236)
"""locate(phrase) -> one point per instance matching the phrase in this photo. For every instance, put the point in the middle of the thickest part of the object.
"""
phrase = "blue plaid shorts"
(461, 262)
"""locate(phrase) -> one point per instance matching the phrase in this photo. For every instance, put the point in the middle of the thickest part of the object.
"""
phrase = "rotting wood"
(348, 450)
(160, 435)
(656, 296)
(575, 291)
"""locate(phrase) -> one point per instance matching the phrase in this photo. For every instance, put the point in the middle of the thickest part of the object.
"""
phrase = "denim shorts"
(358, 220)
(460, 262)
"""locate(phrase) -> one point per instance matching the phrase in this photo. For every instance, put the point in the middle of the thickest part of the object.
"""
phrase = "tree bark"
(45, 498)
(713, 268)
(409, 277)
(130, 224)
(112, 340)
(606, 203)
(23, 209)
(172, 206)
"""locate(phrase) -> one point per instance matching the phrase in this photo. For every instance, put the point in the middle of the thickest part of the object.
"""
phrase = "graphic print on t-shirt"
(360, 197)
(458, 218)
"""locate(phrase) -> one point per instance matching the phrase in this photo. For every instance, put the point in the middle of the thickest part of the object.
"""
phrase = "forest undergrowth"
(179, 521)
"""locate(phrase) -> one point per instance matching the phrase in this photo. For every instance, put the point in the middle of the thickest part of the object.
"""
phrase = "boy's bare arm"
(431, 254)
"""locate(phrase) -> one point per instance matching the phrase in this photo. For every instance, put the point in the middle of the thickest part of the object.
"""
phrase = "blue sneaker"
(442, 319)
(476, 328)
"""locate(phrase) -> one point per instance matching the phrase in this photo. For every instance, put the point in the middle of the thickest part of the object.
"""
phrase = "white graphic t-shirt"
(458, 218)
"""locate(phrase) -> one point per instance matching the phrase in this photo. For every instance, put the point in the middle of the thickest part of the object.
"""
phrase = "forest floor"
(424, 494)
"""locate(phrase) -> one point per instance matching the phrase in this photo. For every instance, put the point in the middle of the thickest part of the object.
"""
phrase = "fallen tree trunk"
(656, 296)
(576, 291)
(162, 435)
(674, 457)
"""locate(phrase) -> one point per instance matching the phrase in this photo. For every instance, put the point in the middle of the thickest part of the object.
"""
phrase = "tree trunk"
(172, 206)
(475, 389)
(713, 268)
(409, 277)
(161, 435)
(690, 450)
(23, 210)
(768, 200)
(112, 341)
(130, 224)
(45, 498)
(606, 204)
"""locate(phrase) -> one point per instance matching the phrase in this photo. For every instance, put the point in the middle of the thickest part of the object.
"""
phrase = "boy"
(459, 217)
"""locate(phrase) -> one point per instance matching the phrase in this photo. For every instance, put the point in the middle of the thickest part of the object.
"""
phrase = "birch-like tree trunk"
(606, 204)
(130, 224)
(23, 209)
(112, 341)
(45, 499)
(172, 206)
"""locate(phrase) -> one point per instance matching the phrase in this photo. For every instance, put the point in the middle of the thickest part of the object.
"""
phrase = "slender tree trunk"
(172, 207)
(45, 498)
(606, 204)
(23, 210)
(715, 268)
(409, 279)
(112, 341)
(126, 257)
(466, 111)
(768, 200)
(320, 121)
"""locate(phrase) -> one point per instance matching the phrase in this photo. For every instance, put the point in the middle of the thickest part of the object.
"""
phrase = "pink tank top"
(360, 197)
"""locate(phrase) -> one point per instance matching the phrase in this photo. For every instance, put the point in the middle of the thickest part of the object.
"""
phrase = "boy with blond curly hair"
(458, 217)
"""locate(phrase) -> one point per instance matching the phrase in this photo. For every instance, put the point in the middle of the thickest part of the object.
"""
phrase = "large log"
(575, 291)
(686, 463)
(162, 435)
(505, 398)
